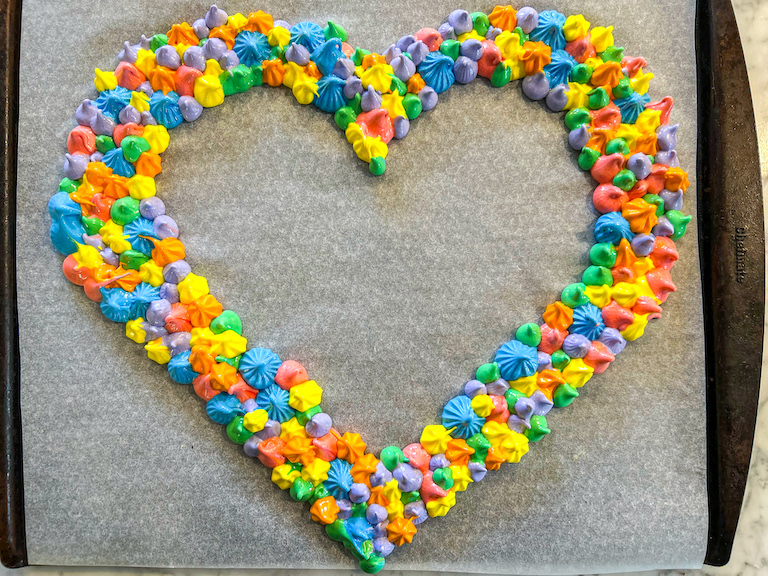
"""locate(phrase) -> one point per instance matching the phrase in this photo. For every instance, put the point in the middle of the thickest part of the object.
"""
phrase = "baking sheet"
(390, 290)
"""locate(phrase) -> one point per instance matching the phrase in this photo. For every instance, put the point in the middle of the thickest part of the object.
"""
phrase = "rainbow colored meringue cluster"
(125, 252)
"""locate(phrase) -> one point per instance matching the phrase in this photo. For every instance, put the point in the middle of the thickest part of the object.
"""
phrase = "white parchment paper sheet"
(391, 291)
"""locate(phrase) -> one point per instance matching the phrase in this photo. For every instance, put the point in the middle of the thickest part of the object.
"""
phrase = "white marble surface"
(750, 556)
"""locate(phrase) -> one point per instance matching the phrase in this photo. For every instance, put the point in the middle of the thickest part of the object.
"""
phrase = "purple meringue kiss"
(371, 99)
(545, 361)
(175, 272)
(517, 424)
(613, 340)
(461, 21)
(403, 67)
(85, 113)
(541, 404)
(405, 41)
(178, 342)
(402, 126)
(215, 17)
(147, 119)
(128, 54)
(319, 425)
(380, 530)
(168, 57)
(251, 446)
(158, 311)
(464, 70)
(642, 244)
(200, 28)
(472, 49)
(359, 493)
(102, 125)
(428, 98)
(345, 508)
(375, 514)
(578, 137)
(474, 387)
(418, 51)
(536, 86)
(165, 227)
(193, 57)
(382, 546)
(144, 43)
(640, 165)
(110, 257)
(668, 158)
(391, 53)
(381, 476)
(408, 478)
(352, 86)
(477, 470)
(446, 31)
(527, 19)
(524, 408)
(271, 430)
(129, 114)
(214, 48)
(438, 461)
(93, 240)
(297, 54)
(170, 292)
(492, 33)
(190, 108)
(75, 165)
(664, 227)
(576, 345)
(497, 387)
(557, 98)
(344, 68)
(416, 511)
(672, 200)
(229, 60)
(145, 87)
(155, 332)
(666, 137)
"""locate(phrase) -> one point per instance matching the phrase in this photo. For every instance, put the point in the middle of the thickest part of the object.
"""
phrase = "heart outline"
(84, 262)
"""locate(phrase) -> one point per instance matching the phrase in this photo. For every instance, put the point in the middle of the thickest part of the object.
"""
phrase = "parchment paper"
(391, 291)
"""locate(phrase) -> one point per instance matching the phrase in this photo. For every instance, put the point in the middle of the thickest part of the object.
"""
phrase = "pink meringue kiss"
(664, 254)
(377, 123)
(489, 60)
(430, 37)
(608, 118)
(647, 305)
(616, 316)
(661, 284)
(607, 167)
(581, 49)
(128, 76)
(599, 357)
(551, 339)
(608, 198)
(664, 106)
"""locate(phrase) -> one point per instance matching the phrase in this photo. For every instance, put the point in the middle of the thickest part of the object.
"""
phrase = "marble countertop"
(750, 554)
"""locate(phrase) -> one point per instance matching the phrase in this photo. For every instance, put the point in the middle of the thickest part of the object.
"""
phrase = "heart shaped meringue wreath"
(124, 250)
